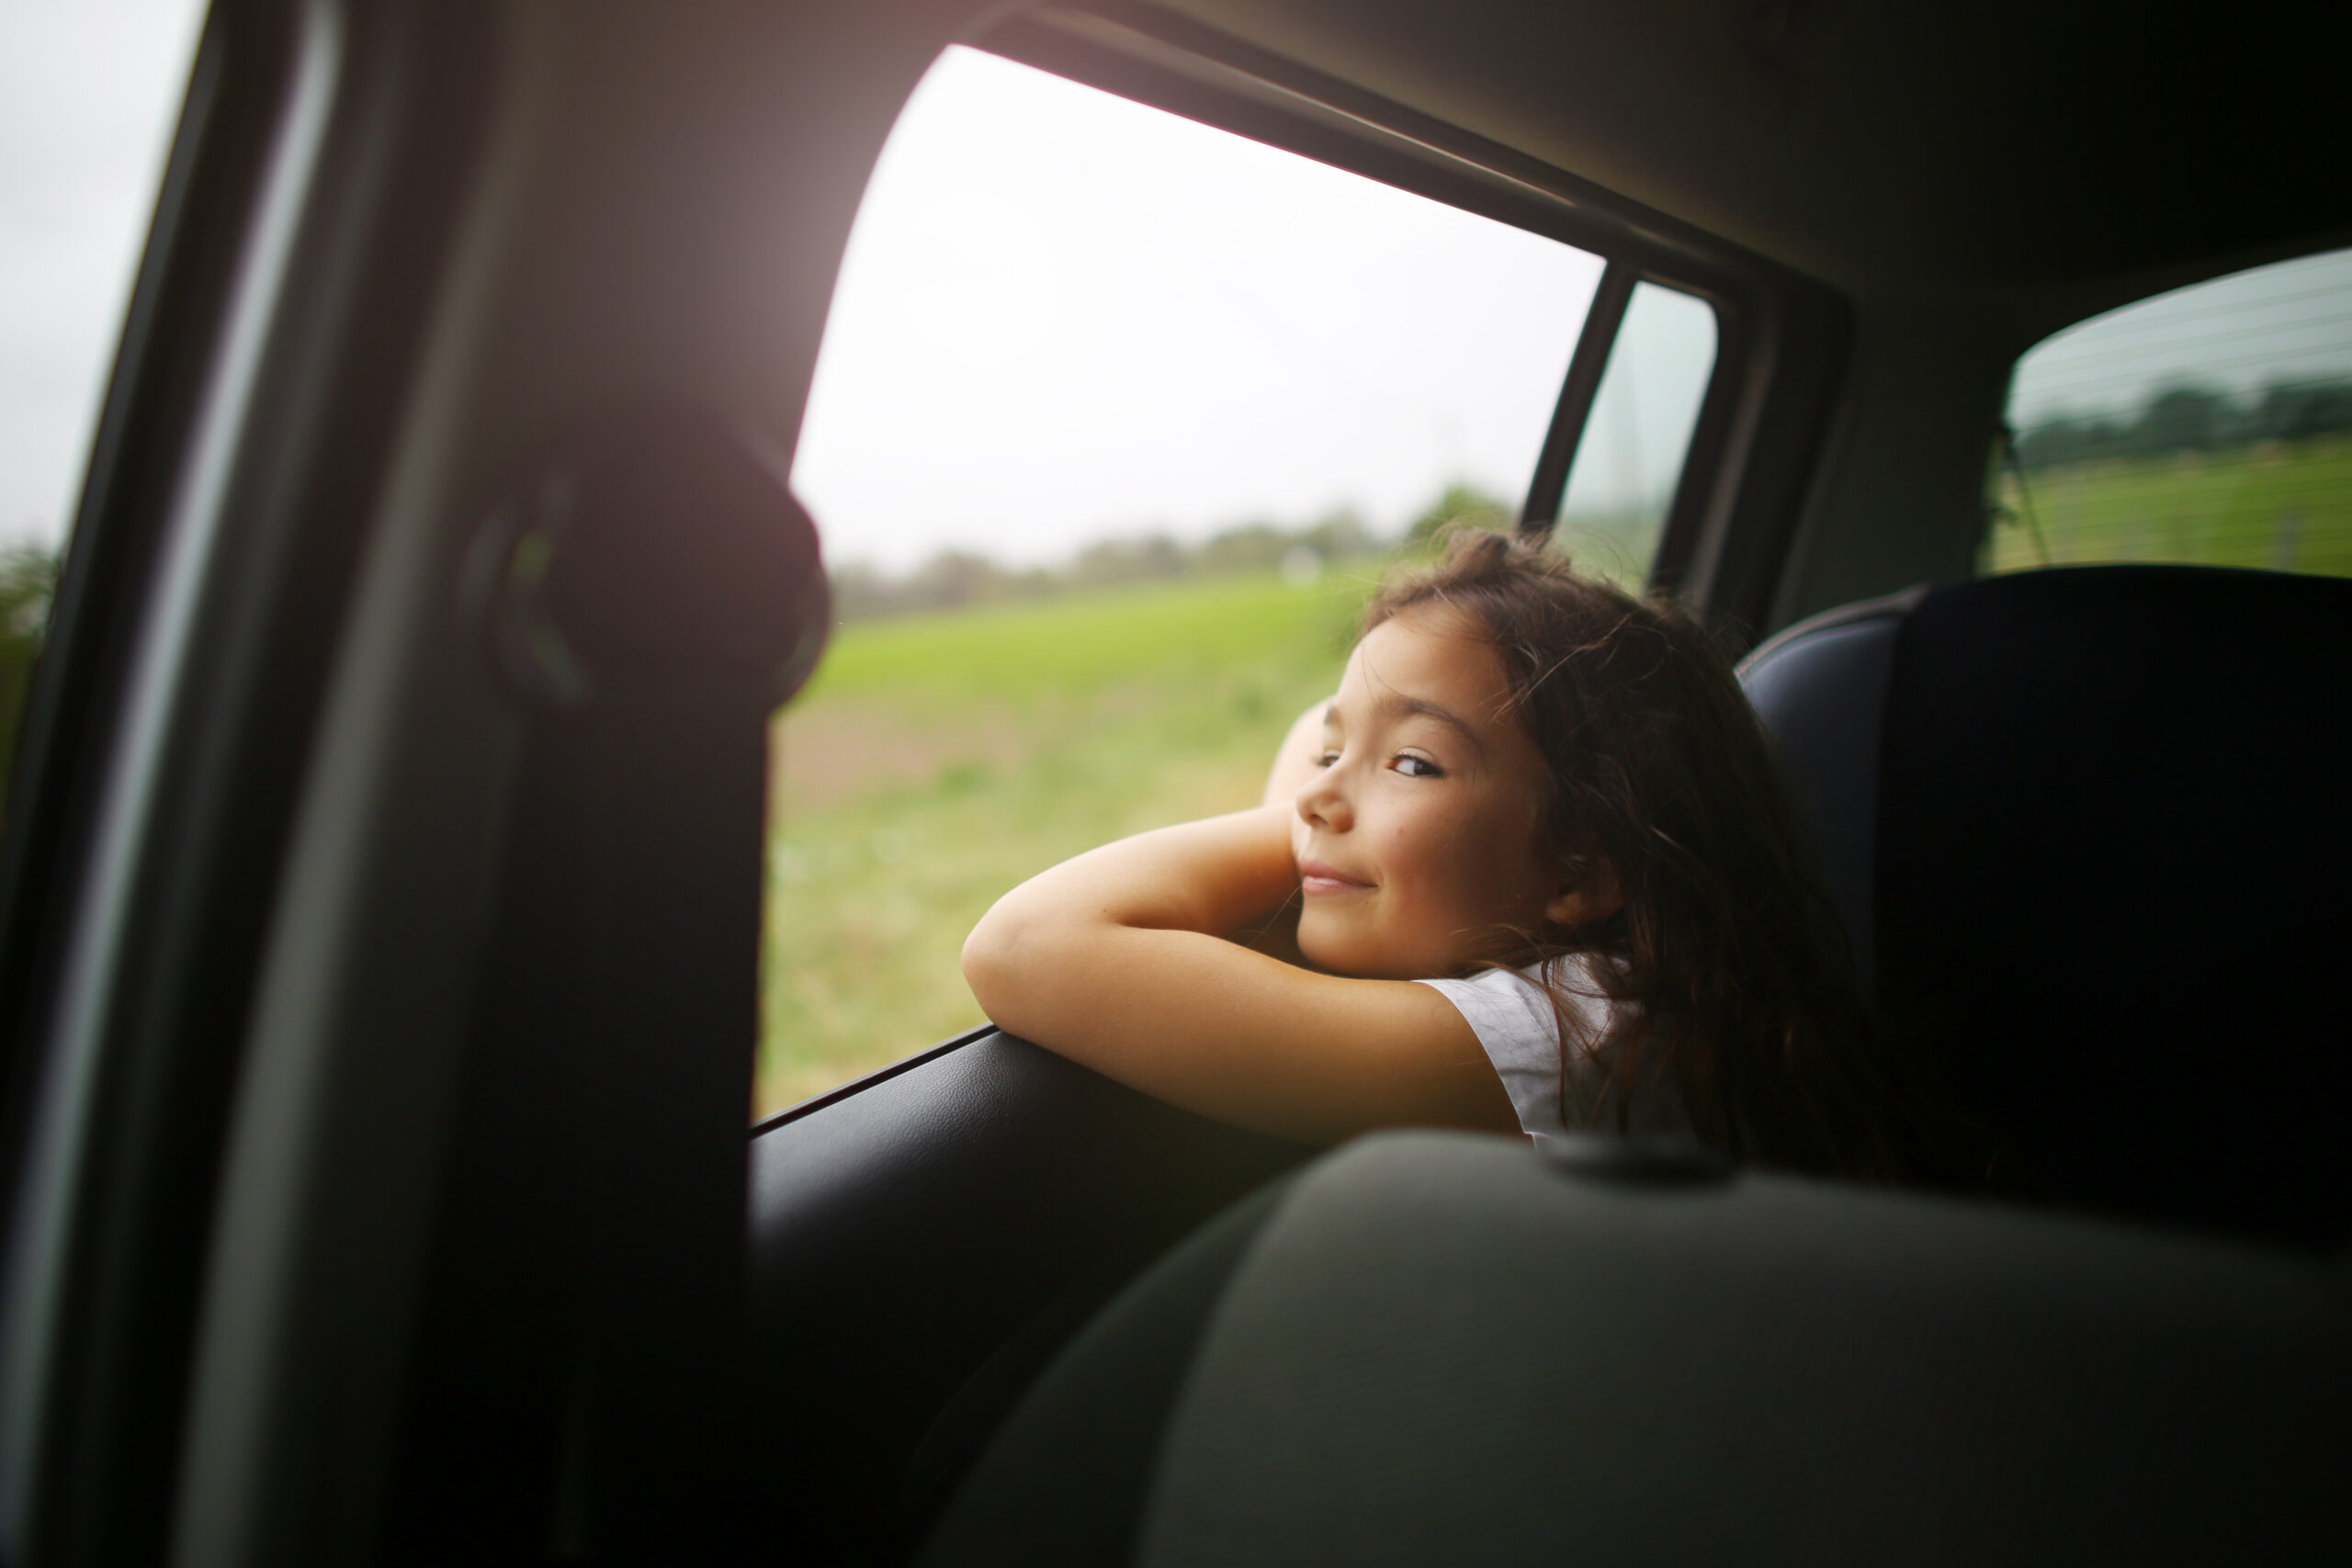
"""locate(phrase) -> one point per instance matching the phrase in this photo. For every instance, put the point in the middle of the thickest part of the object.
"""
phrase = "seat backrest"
(1446, 1347)
(2092, 831)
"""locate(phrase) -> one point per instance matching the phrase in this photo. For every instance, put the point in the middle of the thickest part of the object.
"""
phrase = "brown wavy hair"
(1728, 968)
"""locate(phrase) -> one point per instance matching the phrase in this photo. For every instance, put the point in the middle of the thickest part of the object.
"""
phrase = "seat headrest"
(2094, 829)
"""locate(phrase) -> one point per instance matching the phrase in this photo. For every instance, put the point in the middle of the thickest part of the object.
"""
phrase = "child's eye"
(1414, 767)
(1326, 757)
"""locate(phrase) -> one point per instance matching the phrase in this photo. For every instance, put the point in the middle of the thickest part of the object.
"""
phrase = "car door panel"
(924, 1241)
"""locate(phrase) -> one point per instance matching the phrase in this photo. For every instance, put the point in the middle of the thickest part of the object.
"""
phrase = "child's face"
(1419, 842)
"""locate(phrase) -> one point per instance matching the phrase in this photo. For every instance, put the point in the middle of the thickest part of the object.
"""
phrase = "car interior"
(380, 909)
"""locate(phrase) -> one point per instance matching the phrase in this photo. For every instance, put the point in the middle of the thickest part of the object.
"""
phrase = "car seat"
(2087, 829)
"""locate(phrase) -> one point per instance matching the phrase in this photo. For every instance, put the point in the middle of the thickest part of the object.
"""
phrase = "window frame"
(1782, 339)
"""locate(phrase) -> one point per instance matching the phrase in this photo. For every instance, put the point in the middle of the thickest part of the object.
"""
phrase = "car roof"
(2075, 154)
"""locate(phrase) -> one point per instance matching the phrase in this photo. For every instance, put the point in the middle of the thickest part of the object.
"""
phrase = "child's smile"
(1419, 842)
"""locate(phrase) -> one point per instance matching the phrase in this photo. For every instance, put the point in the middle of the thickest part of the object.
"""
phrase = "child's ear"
(1593, 896)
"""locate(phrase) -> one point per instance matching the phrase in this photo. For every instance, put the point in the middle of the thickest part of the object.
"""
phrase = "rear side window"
(1117, 419)
(2211, 425)
(1629, 461)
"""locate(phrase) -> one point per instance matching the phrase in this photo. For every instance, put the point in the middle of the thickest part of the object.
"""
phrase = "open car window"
(88, 98)
(1118, 417)
(2211, 425)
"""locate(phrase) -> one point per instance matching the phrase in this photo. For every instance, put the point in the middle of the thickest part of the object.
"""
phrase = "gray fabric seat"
(1440, 1348)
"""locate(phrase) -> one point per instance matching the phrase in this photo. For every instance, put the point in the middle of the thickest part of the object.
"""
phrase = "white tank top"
(1511, 1013)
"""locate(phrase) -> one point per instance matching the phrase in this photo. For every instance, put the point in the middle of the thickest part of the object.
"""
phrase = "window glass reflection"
(1630, 457)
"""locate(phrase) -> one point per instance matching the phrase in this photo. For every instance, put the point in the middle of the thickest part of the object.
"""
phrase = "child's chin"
(1330, 956)
(1349, 960)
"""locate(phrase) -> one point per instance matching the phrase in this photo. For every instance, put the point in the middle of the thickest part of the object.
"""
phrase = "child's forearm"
(1216, 878)
(1213, 877)
(1118, 960)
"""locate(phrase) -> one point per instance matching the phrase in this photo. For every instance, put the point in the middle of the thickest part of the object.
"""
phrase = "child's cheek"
(1419, 849)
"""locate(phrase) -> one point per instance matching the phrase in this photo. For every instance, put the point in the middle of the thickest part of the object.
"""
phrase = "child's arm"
(1117, 960)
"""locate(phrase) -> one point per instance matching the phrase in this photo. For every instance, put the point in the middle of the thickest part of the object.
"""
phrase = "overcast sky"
(2240, 333)
(1063, 316)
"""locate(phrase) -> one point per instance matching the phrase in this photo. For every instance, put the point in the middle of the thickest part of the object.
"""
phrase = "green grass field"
(2284, 508)
(939, 760)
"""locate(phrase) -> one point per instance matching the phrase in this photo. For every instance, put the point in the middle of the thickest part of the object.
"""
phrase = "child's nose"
(1323, 801)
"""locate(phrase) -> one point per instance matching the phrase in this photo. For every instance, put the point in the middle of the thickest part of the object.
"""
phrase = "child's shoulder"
(1509, 1007)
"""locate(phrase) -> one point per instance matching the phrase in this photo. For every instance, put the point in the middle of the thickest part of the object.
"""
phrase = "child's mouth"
(1318, 880)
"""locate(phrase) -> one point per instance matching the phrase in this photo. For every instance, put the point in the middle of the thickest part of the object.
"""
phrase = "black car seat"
(2088, 830)
(2087, 827)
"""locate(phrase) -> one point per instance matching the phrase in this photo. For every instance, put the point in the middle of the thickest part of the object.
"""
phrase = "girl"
(1528, 871)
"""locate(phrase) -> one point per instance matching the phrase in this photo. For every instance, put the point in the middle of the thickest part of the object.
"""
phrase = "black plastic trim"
(879, 1075)
(1171, 62)
(1574, 410)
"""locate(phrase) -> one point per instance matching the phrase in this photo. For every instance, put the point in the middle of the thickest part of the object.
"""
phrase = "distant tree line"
(952, 578)
(27, 579)
(1462, 503)
(2192, 418)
